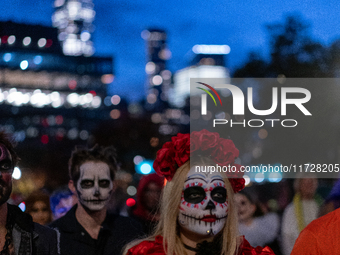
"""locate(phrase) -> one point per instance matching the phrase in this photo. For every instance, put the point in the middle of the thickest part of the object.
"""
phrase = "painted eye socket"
(219, 195)
(86, 184)
(6, 165)
(104, 183)
(194, 195)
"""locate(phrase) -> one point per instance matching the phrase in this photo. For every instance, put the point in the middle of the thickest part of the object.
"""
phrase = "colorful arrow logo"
(208, 92)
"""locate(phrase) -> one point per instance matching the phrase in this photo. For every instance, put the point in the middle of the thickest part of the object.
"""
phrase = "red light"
(44, 139)
(93, 92)
(59, 119)
(4, 39)
(59, 137)
(130, 202)
(72, 84)
(49, 43)
(44, 122)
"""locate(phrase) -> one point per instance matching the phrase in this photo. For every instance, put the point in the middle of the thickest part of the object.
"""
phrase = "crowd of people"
(178, 211)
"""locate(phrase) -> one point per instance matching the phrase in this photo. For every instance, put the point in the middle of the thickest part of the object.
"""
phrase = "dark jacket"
(115, 233)
(30, 238)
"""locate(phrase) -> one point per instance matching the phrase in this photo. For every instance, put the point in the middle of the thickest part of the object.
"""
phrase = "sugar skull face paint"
(6, 169)
(204, 203)
(94, 186)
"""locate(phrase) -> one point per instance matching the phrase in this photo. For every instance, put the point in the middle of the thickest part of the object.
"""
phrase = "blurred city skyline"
(240, 25)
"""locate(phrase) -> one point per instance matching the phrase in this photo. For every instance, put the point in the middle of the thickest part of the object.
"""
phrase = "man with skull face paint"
(88, 228)
(18, 233)
(198, 215)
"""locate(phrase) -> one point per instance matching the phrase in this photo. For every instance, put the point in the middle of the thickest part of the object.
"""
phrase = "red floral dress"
(156, 248)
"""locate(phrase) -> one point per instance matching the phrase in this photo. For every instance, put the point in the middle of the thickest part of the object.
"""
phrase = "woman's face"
(204, 204)
(40, 213)
(245, 208)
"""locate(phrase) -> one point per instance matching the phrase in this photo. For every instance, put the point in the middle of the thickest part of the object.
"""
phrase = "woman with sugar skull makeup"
(198, 215)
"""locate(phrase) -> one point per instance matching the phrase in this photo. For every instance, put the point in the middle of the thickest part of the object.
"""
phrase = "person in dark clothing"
(148, 196)
(30, 237)
(87, 228)
(115, 232)
(18, 233)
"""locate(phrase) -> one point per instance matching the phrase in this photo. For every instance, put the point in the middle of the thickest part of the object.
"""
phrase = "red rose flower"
(175, 153)
(206, 139)
(194, 141)
(181, 144)
(237, 184)
(236, 178)
(224, 152)
(164, 164)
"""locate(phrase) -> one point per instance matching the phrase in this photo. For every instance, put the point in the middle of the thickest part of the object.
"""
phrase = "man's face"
(64, 205)
(94, 186)
(6, 170)
(204, 205)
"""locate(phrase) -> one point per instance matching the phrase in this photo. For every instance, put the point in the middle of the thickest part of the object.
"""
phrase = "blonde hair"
(168, 228)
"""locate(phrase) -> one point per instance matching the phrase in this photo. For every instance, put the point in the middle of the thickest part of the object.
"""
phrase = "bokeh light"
(130, 202)
(131, 190)
(16, 173)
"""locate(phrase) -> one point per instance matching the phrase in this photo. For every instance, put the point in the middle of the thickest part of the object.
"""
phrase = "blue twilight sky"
(238, 23)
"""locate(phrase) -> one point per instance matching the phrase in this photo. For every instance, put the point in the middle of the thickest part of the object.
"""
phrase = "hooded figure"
(148, 195)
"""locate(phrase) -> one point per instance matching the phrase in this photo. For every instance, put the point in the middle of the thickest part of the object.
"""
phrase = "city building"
(158, 77)
(47, 97)
(74, 18)
(208, 61)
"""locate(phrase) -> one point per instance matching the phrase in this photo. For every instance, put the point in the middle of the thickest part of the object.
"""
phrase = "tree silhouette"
(293, 53)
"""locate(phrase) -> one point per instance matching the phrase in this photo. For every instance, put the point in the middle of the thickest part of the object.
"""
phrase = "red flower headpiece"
(175, 153)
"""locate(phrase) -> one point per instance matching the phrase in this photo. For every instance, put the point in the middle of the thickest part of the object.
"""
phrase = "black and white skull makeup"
(94, 186)
(204, 203)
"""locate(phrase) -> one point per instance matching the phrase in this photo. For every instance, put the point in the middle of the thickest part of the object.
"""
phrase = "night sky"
(240, 24)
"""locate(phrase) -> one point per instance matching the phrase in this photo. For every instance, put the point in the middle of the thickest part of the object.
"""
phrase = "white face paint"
(204, 203)
(94, 186)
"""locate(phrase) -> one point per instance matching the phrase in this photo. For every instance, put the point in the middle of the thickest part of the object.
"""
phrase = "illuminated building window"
(27, 40)
(11, 39)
